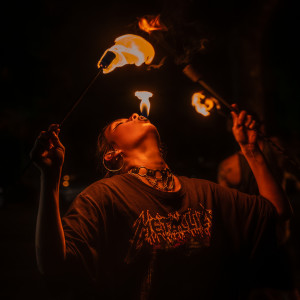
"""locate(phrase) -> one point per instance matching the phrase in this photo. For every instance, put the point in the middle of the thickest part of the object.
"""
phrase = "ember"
(151, 23)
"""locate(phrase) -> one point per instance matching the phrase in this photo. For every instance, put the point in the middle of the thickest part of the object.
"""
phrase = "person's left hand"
(244, 128)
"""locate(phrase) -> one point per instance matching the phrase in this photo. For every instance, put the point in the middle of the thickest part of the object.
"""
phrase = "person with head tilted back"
(142, 232)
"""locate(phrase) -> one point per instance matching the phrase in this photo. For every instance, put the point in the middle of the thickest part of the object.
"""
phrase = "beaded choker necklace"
(159, 179)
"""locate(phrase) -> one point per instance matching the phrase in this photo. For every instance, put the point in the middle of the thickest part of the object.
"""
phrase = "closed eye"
(117, 125)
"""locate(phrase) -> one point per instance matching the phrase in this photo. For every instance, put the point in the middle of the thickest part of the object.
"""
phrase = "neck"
(149, 157)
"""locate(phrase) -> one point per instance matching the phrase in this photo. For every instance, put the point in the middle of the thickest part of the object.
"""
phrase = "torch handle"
(195, 76)
(76, 103)
(30, 162)
(104, 63)
(214, 94)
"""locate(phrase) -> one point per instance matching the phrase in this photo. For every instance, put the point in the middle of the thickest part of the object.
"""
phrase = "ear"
(109, 156)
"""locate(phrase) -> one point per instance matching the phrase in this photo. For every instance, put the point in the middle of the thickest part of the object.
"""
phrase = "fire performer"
(144, 233)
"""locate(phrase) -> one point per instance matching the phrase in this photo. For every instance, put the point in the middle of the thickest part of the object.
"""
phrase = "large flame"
(129, 49)
(202, 104)
(145, 103)
(151, 23)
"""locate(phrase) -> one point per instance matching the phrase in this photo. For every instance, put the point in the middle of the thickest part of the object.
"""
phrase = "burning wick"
(106, 60)
(202, 104)
(145, 103)
(128, 49)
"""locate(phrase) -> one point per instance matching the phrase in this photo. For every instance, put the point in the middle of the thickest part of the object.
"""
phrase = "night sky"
(49, 54)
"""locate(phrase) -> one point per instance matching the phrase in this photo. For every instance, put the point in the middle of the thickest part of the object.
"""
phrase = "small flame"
(151, 23)
(145, 103)
(129, 49)
(202, 104)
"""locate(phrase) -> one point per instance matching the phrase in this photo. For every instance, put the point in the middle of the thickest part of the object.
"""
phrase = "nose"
(133, 117)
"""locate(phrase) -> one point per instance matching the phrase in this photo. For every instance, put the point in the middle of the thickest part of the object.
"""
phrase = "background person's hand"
(48, 152)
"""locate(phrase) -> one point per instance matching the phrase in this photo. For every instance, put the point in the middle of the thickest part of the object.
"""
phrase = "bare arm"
(48, 156)
(246, 136)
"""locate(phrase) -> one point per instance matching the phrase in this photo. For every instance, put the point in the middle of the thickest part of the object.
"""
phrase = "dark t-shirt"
(130, 241)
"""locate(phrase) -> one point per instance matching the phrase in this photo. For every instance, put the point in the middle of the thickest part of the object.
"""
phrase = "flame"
(202, 104)
(151, 23)
(145, 103)
(129, 49)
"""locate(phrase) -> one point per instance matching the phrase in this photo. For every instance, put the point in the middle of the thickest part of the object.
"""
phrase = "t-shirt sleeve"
(249, 218)
(84, 227)
(253, 223)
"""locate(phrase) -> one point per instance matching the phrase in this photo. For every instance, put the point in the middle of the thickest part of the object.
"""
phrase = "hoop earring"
(110, 170)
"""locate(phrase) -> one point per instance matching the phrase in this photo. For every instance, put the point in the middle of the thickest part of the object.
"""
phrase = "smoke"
(181, 36)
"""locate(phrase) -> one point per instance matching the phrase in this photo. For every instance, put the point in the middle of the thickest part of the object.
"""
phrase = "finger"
(234, 115)
(248, 121)
(54, 127)
(253, 136)
(56, 141)
(242, 118)
(234, 120)
(40, 147)
(235, 107)
(252, 125)
(44, 141)
(43, 135)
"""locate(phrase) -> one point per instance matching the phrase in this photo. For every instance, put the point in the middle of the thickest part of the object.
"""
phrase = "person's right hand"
(48, 152)
(244, 129)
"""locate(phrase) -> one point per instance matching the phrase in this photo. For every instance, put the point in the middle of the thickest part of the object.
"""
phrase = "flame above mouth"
(129, 49)
(145, 103)
(142, 118)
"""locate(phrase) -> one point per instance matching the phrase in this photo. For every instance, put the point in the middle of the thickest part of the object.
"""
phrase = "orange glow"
(202, 104)
(66, 183)
(151, 23)
(66, 177)
(145, 103)
(129, 49)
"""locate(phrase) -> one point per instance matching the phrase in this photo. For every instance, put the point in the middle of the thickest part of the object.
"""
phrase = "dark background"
(246, 50)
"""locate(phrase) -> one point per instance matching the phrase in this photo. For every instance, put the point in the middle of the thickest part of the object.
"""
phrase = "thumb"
(56, 141)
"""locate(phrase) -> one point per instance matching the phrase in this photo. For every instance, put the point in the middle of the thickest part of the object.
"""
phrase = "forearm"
(50, 240)
(267, 183)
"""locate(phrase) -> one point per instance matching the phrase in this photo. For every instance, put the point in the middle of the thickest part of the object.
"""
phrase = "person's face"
(127, 134)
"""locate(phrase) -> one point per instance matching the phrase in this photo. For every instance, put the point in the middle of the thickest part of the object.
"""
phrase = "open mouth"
(142, 118)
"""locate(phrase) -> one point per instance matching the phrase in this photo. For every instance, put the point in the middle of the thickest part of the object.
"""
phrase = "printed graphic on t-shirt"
(191, 229)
